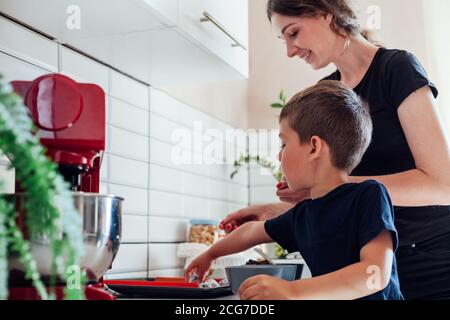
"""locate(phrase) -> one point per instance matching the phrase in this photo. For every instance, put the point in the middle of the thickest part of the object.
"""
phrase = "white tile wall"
(128, 172)
(167, 230)
(163, 256)
(144, 125)
(27, 45)
(134, 229)
(83, 69)
(128, 144)
(136, 199)
(262, 182)
(166, 204)
(130, 258)
(129, 90)
(128, 117)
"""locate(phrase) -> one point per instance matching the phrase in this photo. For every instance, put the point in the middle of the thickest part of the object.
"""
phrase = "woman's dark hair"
(344, 23)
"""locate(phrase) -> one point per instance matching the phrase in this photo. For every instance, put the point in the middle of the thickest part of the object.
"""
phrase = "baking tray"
(165, 288)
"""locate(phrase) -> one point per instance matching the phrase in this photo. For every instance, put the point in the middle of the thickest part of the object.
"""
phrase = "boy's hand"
(264, 287)
(199, 266)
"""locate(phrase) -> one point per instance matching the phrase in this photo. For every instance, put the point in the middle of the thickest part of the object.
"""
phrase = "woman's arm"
(429, 184)
(256, 213)
(370, 275)
(243, 238)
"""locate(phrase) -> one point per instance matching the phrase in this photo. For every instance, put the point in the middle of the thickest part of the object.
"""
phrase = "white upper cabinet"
(167, 10)
(220, 26)
(66, 20)
(160, 42)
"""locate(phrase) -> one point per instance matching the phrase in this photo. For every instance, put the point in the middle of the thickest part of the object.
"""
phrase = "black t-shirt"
(391, 78)
(330, 232)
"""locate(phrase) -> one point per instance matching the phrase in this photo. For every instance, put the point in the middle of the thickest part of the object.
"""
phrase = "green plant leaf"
(277, 106)
(47, 196)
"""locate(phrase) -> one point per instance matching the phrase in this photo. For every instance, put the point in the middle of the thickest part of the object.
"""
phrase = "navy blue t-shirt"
(330, 232)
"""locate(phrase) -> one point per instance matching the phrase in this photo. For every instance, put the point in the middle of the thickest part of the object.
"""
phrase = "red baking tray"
(165, 288)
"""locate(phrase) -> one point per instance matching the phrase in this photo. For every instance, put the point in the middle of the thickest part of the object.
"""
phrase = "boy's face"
(294, 160)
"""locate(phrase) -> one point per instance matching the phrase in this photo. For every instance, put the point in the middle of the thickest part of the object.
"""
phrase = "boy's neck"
(327, 181)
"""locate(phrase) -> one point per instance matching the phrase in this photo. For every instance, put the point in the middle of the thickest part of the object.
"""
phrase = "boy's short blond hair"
(336, 114)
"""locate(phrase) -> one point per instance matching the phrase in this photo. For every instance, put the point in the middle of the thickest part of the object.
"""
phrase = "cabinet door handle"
(209, 18)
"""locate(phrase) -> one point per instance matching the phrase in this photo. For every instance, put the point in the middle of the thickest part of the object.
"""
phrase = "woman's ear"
(328, 18)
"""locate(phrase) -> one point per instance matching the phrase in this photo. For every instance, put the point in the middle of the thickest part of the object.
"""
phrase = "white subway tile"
(195, 163)
(167, 230)
(83, 69)
(219, 171)
(165, 154)
(195, 208)
(136, 200)
(129, 90)
(218, 209)
(260, 176)
(28, 45)
(218, 189)
(195, 185)
(169, 131)
(262, 195)
(130, 258)
(134, 229)
(129, 117)
(163, 256)
(239, 194)
(104, 167)
(163, 104)
(128, 144)
(103, 188)
(165, 204)
(165, 179)
(253, 142)
(128, 172)
(233, 207)
(14, 69)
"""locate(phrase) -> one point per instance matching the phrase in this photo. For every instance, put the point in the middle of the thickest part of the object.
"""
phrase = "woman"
(409, 153)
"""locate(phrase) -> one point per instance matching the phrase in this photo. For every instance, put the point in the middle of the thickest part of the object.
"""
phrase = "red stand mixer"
(71, 123)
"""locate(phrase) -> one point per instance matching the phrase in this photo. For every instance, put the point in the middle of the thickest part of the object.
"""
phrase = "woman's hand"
(264, 287)
(289, 196)
(199, 266)
(253, 213)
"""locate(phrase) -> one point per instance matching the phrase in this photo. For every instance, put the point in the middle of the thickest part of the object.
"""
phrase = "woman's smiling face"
(309, 38)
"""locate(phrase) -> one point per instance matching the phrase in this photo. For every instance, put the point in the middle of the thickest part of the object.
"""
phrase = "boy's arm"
(370, 275)
(243, 238)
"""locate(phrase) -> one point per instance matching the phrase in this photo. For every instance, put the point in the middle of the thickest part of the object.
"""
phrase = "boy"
(345, 232)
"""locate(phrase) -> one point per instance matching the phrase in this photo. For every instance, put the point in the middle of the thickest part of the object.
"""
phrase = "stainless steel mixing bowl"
(102, 229)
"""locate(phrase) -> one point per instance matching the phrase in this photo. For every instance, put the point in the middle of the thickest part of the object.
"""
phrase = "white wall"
(419, 26)
(160, 196)
(437, 26)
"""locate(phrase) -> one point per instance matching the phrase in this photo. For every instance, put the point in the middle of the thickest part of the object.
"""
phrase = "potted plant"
(49, 207)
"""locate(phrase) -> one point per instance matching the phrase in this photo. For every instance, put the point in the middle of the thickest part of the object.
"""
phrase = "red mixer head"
(70, 118)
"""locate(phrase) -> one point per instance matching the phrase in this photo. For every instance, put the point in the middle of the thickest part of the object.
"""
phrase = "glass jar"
(203, 231)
